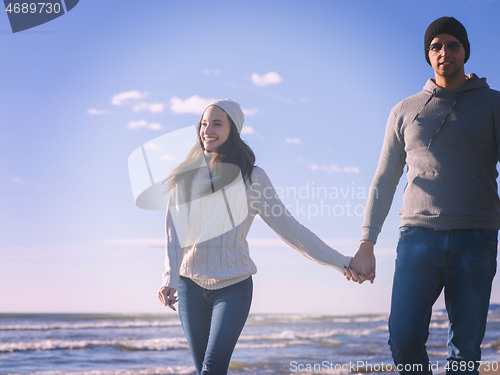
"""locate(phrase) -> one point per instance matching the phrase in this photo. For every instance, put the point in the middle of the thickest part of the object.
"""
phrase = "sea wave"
(100, 325)
(126, 345)
(289, 334)
(311, 318)
(439, 325)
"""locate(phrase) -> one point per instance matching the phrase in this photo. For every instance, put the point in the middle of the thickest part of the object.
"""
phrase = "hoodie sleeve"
(274, 213)
(389, 170)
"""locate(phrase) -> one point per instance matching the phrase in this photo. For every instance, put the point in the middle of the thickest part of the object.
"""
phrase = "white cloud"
(152, 107)
(293, 141)
(334, 169)
(137, 124)
(155, 126)
(194, 104)
(271, 78)
(247, 130)
(97, 112)
(351, 169)
(250, 112)
(125, 97)
(16, 180)
(211, 72)
(144, 124)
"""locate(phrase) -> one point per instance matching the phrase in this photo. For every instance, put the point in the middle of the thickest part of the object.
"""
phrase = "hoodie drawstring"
(442, 122)
(434, 92)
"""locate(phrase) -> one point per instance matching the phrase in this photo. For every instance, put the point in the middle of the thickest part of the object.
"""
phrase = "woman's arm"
(267, 204)
(173, 254)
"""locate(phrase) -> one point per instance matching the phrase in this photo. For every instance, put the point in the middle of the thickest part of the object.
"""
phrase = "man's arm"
(389, 170)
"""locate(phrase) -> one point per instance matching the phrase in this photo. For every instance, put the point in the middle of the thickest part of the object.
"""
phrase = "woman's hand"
(167, 297)
(362, 266)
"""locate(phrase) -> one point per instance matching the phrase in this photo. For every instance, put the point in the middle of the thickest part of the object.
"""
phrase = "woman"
(210, 211)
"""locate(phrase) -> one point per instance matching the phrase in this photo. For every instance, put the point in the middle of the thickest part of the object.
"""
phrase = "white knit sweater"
(224, 260)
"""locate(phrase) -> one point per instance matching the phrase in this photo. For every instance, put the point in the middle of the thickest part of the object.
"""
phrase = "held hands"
(362, 266)
(167, 297)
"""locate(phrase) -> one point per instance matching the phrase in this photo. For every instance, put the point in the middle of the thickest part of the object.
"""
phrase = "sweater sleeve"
(274, 213)
(173, 254)
(389, 170)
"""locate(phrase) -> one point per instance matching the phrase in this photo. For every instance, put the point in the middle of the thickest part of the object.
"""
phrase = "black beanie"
(446, 25)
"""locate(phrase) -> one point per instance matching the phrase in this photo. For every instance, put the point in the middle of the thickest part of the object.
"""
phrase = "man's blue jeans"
(463, 262)
(212, 321)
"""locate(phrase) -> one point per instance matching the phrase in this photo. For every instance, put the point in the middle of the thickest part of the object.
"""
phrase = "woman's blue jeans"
(212, 321)
(463, 262)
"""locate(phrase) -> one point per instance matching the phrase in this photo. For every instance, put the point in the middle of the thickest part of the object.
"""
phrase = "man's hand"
(362, 266)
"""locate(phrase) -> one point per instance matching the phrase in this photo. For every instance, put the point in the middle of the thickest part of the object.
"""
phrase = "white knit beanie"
(232, 109)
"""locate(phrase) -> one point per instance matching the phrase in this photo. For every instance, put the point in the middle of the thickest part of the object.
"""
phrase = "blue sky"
(316, 79)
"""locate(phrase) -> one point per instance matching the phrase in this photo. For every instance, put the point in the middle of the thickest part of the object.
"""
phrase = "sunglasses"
(453, 46)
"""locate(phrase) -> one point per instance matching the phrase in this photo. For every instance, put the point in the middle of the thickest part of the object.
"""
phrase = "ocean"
(103, 344)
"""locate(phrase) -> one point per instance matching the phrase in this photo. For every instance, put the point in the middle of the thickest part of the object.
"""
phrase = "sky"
(316, 80)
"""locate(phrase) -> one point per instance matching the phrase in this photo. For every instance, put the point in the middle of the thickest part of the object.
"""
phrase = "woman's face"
(215, 128)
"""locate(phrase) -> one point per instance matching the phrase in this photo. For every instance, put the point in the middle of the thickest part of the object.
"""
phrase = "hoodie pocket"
(441, 193)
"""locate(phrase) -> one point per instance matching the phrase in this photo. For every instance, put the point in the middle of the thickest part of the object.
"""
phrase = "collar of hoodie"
(473, 83)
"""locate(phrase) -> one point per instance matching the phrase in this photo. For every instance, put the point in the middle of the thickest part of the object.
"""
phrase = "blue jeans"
(463, 262)
(212, 321)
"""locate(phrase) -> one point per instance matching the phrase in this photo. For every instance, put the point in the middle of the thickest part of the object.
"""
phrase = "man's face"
(447, 63)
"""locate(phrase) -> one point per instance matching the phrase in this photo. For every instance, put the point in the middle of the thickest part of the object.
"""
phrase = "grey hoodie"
(448, 140)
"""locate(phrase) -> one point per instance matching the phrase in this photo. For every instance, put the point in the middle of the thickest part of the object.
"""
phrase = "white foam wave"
(301, 337)
(100, 325)
(491, 345)
(283, 319)
(150, 344)
(439, 315)
(368, 319)
(439, 325)
(275, 345)
(435, 353)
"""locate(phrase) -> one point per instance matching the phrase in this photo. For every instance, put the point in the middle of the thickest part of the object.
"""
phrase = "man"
(447, 136)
